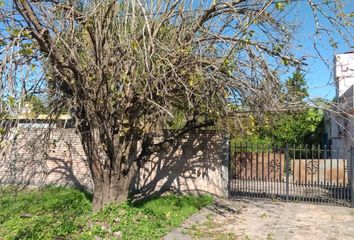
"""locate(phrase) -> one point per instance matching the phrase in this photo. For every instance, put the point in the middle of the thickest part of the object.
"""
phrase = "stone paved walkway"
(262, 219)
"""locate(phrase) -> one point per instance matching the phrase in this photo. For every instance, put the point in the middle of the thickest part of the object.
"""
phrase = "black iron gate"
(311, 174)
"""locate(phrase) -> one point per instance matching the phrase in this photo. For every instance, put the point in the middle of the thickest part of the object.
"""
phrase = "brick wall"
(197, 163)
(38, 157)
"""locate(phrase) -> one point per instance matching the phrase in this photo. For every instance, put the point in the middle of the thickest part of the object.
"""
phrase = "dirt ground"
(262, 219)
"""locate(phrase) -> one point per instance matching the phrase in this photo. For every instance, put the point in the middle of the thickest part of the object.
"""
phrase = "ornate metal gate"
(311, 174)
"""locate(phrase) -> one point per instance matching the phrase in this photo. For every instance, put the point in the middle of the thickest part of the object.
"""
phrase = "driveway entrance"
(268, 220)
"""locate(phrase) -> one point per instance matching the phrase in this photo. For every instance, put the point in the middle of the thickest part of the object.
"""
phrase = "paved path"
(262, 219)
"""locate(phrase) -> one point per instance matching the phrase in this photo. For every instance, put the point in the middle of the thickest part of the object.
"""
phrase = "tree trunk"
(112, 181)
(112, 188)
(112, 167)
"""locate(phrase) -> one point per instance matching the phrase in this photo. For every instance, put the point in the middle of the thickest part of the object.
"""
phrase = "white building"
(339, 123)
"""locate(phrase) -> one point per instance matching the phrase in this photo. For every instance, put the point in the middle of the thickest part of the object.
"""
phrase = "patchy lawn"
(65, 213)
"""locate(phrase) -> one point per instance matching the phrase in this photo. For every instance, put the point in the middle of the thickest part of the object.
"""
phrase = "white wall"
(344, 72)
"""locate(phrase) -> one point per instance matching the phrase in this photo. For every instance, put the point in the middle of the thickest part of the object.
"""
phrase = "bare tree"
(126, 68)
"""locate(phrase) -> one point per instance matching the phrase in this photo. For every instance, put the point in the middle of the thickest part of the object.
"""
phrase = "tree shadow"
(196, 163)
(41, 157)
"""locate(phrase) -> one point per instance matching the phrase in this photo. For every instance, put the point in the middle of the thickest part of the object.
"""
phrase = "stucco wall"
(344, 72)
(197, 163)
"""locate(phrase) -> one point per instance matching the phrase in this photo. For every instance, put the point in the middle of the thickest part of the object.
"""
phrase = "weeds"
(65, 213)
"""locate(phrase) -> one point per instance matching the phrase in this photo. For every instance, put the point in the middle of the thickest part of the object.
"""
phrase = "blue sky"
(318, 74)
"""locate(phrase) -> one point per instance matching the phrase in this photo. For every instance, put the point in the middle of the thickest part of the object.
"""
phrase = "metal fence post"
(351, 176)
(229, 167)
(287, 171)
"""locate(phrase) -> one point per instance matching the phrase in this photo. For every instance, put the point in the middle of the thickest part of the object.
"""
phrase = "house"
(339, 120)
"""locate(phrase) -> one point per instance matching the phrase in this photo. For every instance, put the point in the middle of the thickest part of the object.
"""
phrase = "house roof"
(40, 117)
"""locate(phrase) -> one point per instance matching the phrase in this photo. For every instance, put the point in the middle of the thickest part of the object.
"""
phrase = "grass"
(64, 213)
(352, 213)
(210, 230)
(269, 236)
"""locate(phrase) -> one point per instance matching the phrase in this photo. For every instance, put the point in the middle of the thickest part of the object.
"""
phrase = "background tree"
(296, 86)
(37, 104)
(126, 68)
(298, 127)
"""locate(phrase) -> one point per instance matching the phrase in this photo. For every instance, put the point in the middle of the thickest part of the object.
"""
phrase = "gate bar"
(287, 171)
(351, 177)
